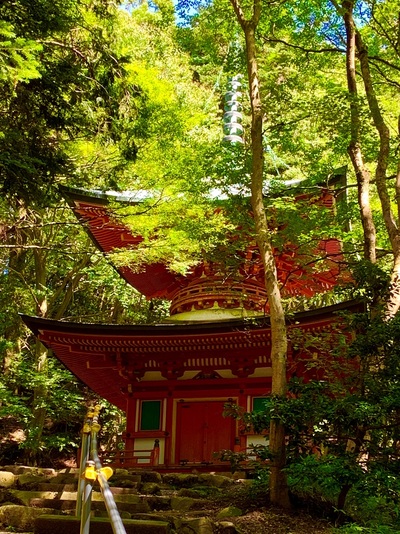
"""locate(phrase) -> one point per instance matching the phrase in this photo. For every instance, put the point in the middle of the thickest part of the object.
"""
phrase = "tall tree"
(357, 52)
(81, 114)
(44, 96)
(278, 483)
(354, 148)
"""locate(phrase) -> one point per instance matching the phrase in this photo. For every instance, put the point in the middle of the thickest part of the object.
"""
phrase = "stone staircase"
(43, 501)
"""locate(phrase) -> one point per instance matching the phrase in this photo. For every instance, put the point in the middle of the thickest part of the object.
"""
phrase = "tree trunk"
(15, 266)
(40, 393)
(278, 483)
(393, 302)
(354, 148)
(40, 390)
(355, 44)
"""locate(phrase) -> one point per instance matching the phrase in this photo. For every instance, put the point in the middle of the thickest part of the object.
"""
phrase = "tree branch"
(239, 13)
(385, 62)
(388, 80)
(67, 46)
(306, 50)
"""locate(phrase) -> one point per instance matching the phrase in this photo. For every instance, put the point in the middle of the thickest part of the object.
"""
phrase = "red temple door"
(202, 431)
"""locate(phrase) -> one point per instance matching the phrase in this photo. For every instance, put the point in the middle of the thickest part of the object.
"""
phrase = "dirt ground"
(274, 521)
(260, 517)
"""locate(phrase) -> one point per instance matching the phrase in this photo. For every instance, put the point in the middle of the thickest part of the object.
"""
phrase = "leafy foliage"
(343, 431)
(100, 97)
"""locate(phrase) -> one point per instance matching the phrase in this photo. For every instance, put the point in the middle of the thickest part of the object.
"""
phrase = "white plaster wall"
(148, 444)
(255, 439)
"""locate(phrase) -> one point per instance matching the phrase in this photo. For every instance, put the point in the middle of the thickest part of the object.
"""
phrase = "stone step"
(27, 496)
(132, 477)
(49, 524)
(24, 469)
(133, 504)
(20, 518)
(55, 504)
(154, 503)
(139, 506)
(28, 481)
(61, 488)
(50, 486)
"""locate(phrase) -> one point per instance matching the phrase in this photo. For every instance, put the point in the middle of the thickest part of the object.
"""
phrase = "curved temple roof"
(156, 281)
(95, 213)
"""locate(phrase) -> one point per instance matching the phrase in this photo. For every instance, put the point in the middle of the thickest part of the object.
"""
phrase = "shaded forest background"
(105, 96)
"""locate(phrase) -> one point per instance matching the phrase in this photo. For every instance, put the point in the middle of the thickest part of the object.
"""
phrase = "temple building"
(173, 379)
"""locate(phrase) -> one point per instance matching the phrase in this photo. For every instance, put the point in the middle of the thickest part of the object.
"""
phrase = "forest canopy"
(111, 96)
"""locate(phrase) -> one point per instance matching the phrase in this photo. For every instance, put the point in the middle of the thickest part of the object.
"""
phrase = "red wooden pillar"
(168, 429)
(241, 440)
(130, 422)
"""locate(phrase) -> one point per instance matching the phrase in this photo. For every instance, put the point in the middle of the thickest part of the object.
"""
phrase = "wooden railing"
(133, 457)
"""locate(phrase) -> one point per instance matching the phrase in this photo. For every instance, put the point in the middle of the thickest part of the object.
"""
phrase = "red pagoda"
(173, 379)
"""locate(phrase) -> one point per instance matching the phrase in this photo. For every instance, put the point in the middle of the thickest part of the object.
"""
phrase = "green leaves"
(175, 230)
(343, 431)
(19, 59)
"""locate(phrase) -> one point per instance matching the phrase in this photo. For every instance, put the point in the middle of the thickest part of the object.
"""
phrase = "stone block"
(151, 476)
(150, 488)
(121, 472)
(54, 504)
(182, 504)
(27, 496)
(19, 469)
(189, 492)
(123, 491)
(226, 527)
(200, 525)
(181, 480)
(217, 481)
(64, 478)
(46, 471)
(30, 480)
(59, 488)
(158, 502)
(13, 516)
(70, 470)
(229, 511)
(124, 482)
(104, 513)
(7, 497)
(7, 479)
(48, 524)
